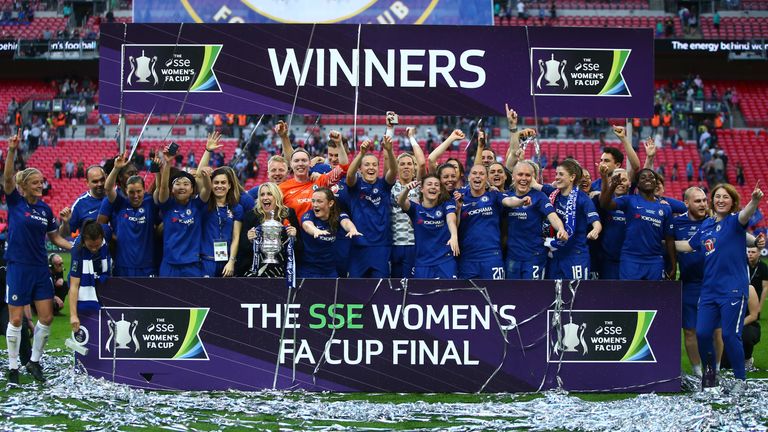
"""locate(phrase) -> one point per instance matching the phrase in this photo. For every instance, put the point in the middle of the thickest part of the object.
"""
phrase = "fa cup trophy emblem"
(143, 67)
(552, 71)
(124, 333)
(571, 338)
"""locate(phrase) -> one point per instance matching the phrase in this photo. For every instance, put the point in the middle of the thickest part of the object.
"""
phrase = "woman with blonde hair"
(269, 205)
(28, 279)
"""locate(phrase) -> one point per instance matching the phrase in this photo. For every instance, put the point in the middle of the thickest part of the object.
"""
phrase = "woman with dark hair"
(526, 253)
(182, 218)
(449, 177)
(319, 229)
(570, 258)
(269, 205)
(725, 287)
(460, 174)
(28, 278)
(498, 177)
(648, 225)
(134, 216)
(435, 229)
(222, 222)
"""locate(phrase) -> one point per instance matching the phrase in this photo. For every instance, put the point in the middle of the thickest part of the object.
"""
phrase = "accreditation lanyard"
(220, 245)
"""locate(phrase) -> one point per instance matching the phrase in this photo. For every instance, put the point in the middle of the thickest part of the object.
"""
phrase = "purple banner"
(415, 70)
(383, 336)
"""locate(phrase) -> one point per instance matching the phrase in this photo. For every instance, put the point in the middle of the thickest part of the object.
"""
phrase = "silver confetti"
(102, 405)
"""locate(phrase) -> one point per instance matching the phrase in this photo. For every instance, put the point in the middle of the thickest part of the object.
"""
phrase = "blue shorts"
(213, 268)
(573, 267)
(25, 283)
(648, 269)
(181, 270)
(341, 248)
(369, 261)
(313, 272)
(691, 293)
(609, 270)
(533, 268)
(402, 259)
(444, 270)
(490, 268)
(134, 272)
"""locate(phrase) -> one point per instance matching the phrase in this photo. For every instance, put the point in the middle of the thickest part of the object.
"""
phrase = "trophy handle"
(133, 68)
(541, 68)
(135, 324)
(562, 74)
(154, 74)
(111, 326)
(581, 337)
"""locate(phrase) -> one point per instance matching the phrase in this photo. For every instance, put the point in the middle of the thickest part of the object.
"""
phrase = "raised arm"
(650, 154)
(418, 153)
(334, 138)
(163, 181)
(211, 145)
(746, 213)
(480, 146)
(633, 162)
(390, 174)
(402, 199)
(9, 172)
(437, 152)
(514, 138)
(281, 129)
(606, 193)
(109, 185)
(355, 165)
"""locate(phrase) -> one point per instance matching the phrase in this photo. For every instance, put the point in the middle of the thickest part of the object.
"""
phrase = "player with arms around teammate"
(724, 292)
(28, 279)
(479, 226)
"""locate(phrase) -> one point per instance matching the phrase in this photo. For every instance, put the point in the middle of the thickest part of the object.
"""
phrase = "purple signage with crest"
(418, 70)
(386, 335)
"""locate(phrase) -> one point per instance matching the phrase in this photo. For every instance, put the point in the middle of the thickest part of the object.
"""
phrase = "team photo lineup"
(417, 201)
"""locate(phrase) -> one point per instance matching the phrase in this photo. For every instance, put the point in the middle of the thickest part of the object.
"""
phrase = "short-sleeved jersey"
(28, 225)
(218, 225)
(479, 229)
(298, 196)
(135, 230)
(370, 207)
(430, 227)
(691, 263)
(402, 230)
(524, 233)
(612, 236)
(586, 214)
(319, 253)
(648, 223)
(85, 207)
(725, 261)
(182, 230)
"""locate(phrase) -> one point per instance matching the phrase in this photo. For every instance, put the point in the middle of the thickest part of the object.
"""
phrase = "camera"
(173, 148)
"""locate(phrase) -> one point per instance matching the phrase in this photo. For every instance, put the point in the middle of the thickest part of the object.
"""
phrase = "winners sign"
(336, 68)
(385, 335)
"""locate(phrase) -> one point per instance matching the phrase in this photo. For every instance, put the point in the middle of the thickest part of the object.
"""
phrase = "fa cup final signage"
(426, 70)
